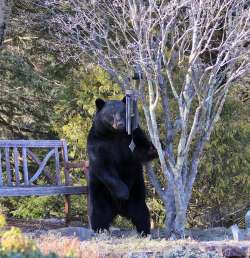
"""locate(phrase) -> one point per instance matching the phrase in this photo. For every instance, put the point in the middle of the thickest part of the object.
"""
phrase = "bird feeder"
(131, 111)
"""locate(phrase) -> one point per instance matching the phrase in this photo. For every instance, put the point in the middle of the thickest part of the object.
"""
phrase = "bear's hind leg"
(139, 214)
(101, 213)
(101, 220)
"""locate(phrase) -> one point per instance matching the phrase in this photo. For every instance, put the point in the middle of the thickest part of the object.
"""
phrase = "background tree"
(186, 55)
(5, 9)
(26, 99)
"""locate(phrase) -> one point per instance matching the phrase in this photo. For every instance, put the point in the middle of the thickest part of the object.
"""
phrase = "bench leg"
(67, 209)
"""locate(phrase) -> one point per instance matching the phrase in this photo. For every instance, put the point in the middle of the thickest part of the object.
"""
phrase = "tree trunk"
(5, 8)
(180, 221)
(170, 212)
(2, 21)
(175, 216)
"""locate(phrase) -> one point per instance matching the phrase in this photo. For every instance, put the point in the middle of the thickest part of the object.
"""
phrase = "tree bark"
(175, 209)
(170, 212)
(180, 221)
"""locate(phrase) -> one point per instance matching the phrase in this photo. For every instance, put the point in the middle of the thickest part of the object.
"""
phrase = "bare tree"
(186, 55)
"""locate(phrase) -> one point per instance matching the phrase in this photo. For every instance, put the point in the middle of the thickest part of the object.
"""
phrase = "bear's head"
(110, 115)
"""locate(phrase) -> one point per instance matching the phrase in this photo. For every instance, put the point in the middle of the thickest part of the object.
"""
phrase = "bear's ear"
(99, 104)
(124, 99)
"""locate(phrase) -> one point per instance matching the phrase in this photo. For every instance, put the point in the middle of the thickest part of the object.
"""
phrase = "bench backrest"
(15, 154)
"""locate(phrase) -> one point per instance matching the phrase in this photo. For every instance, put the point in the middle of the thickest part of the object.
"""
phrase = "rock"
(247, 219)
(77, 223)
(80, 232)
(234, 251)
(219, 234)
(244, 234)
(248, 234)
(210, 234)
(235, 231)
(53, 221)
(114, 228)
(185, 251)
(240, 234)
(35, 234)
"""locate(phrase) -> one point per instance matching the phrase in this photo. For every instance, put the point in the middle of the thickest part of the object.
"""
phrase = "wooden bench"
(16, 179)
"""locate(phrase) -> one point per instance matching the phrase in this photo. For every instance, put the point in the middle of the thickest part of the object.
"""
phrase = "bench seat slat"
(41, 190)
(31, 143)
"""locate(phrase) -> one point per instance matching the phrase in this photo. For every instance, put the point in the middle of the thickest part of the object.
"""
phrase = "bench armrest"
(84, 165)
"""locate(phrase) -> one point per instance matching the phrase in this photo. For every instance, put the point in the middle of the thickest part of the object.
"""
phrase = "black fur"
(116, 184)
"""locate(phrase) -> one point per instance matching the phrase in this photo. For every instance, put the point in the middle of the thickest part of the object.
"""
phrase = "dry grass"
(106, 246)
(64, 246)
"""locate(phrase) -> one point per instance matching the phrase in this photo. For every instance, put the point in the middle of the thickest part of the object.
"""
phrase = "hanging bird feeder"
(131, 111)
(132, 117)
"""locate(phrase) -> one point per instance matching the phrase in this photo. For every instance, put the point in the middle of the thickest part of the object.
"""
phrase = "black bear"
(116, 184)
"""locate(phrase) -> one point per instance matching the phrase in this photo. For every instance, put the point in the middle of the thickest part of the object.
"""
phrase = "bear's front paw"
(152, 152)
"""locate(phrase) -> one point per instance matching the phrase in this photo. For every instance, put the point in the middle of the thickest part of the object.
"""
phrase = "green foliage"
(14, 241)
(122, 222)
(14, 244)
(35, 207)
(44, 207)
(26, 98)
(156, 209)
(2, 221)
(74, 111)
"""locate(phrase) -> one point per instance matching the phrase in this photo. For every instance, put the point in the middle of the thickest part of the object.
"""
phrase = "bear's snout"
(118, 125)
(118, 122)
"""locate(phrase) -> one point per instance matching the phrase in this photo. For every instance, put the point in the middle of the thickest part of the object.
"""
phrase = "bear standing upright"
(116, 184)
